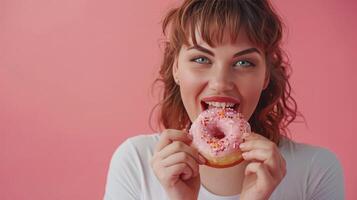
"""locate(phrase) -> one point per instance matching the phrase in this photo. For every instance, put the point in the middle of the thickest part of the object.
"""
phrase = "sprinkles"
(209, 123)
(217, 133)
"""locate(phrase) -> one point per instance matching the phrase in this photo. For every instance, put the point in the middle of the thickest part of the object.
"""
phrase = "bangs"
(212, 19)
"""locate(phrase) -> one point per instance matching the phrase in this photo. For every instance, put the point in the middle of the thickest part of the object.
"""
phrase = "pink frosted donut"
(217, 133)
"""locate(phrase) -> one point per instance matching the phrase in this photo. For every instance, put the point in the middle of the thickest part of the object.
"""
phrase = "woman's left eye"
(245, 63)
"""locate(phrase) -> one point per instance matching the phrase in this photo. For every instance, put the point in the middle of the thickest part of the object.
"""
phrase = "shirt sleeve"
(123, 179)
(326, 177)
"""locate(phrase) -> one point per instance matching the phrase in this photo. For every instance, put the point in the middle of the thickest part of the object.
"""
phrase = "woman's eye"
(201, 60)
(245, 63)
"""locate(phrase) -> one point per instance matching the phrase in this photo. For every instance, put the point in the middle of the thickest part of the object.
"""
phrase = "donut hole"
(217, 133)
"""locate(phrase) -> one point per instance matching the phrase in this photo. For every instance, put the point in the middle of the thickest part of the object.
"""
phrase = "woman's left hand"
(265, 170)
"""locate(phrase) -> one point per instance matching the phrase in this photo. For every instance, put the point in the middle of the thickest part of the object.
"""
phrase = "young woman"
(227, 51)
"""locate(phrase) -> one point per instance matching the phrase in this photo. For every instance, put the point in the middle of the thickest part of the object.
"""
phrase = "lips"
(225, 99)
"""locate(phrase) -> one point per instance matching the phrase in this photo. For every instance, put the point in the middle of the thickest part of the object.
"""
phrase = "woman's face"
(234, 71)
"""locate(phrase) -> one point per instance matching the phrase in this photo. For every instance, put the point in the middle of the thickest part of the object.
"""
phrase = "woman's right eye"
(201, 60)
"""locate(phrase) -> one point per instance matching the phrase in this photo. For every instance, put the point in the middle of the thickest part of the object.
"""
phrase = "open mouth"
(205, 106)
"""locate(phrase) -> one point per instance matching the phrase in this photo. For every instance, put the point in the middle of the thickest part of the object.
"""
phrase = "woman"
(227, 51)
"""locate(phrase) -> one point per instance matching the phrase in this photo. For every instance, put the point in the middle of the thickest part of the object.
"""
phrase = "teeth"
(221, 104)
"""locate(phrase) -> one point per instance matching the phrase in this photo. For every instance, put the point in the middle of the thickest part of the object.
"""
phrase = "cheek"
(191, 82)
(191, 86)
(251, 94)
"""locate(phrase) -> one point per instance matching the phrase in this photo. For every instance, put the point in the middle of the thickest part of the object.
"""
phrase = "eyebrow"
(246, 51)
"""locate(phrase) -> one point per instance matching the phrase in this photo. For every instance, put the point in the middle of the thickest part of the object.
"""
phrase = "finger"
(252, 136)
(181, 157)
(258, 154)
(264, 178)
(257, 144)
(274, 162)
(175, 172)
(178, 146)
(187, 174)
(170, 135)
(266, 157)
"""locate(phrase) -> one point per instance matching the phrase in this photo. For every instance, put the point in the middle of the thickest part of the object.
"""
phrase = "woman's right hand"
(176, 165)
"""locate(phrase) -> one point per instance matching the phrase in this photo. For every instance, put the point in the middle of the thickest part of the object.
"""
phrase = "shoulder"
(139, 145)
(311, 170)
(130, 170)
(144, 139)
(312, 154)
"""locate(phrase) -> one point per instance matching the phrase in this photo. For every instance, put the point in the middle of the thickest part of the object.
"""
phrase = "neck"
(224, 182)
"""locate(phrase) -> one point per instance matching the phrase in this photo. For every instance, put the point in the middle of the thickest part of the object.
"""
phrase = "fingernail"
(201, 159)
(242, 145)
(245, 134)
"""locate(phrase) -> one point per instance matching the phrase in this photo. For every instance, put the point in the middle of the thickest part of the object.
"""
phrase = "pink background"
(75, 77)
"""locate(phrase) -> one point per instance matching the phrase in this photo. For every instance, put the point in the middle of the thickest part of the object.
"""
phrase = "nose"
(221, 80)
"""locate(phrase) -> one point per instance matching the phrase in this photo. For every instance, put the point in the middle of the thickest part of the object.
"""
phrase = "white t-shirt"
(312, 173)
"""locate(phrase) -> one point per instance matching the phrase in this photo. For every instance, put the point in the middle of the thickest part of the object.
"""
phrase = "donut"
(217, 133)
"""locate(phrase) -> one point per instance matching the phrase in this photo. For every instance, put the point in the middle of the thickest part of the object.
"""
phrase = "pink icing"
(208, 129)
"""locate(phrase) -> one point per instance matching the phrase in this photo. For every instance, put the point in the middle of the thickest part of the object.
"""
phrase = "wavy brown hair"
(276, 108)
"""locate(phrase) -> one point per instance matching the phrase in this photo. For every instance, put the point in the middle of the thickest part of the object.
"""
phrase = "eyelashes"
(204, 60)
(243, 62)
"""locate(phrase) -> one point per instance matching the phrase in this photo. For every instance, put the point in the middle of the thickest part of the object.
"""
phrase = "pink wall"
(75, 76)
